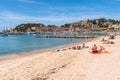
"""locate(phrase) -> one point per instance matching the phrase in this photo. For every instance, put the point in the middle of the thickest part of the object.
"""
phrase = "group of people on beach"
(111, 36)
(106, 41)
(95, 49)
(79, 47)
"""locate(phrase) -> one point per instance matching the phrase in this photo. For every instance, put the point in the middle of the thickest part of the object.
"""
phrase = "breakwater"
(66, 36)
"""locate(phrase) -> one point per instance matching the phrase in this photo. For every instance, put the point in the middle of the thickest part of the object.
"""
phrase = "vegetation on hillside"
(83, 25)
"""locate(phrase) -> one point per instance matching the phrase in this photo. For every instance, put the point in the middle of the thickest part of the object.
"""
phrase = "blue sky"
(14, 12)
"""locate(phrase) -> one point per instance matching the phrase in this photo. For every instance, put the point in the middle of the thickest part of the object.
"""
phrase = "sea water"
(28, 42)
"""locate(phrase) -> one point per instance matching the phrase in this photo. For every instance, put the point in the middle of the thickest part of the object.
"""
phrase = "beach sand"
(65, 65)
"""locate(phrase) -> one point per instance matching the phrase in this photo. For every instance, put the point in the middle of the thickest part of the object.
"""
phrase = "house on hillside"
(116, 27)
(28, 30)
(74, 27)
(39, 28)
(33, 28)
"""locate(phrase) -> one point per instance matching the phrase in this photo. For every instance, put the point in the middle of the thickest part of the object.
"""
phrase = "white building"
(116, 27)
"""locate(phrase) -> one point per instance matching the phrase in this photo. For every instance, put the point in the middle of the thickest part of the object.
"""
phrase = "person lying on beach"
(74, 48)
(108, 42)
(94, 48)
(112, 42)
(102, 40)
(69, 48)
(79, 47)
(63, 49)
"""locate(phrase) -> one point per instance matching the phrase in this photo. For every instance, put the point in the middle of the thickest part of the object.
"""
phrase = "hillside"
(91, 25)
(100, 24)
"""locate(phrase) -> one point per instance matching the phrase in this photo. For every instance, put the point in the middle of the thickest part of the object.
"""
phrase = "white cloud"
(13, 19)
(58, 18)
(31, 2)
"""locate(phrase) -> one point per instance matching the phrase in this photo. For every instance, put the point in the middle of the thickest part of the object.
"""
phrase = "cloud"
(31, 2)
(11, 19)
(14, 18)
(58, 18)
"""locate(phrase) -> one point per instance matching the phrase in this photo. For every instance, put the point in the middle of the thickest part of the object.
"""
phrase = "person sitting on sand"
(111, 42)
(74, 48)
(78, 47)
(83, 46)
(111, 36)
(102, 40)
(108, 42)
(102, 49)
(94, 48)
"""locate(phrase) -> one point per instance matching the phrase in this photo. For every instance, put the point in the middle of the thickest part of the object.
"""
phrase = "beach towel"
(96, 52)
(106, 52)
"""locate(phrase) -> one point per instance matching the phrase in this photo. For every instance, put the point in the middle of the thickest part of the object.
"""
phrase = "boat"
(28, 33)
(4, 35)
(4, 32)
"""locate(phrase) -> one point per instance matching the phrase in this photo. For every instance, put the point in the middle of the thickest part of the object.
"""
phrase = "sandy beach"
(65, 65)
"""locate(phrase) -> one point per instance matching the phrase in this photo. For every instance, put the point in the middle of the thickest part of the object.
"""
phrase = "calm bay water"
(21, 43)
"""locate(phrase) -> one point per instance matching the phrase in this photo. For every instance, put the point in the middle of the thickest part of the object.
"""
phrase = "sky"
(58, 12)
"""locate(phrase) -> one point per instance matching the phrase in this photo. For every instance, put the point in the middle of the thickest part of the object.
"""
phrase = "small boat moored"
(4, 35)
